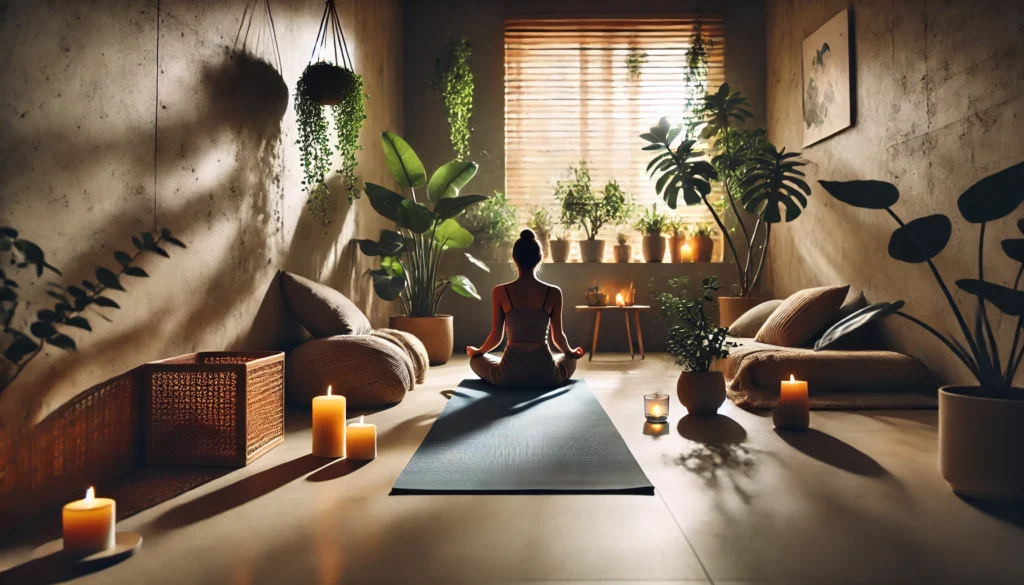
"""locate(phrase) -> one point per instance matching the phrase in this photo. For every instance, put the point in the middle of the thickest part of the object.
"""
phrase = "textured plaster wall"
(92, 152)
(939, 105)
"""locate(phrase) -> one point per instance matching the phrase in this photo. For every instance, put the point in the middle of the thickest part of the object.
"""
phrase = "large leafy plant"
(587, 209)
(50, 325)
(693, 339)
(454, 80)
(920, 240)
(410, 256)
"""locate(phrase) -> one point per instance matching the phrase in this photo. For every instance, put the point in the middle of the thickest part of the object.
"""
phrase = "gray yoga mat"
(512, 441)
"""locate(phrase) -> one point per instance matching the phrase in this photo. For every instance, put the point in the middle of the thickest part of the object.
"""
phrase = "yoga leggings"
(537, 368)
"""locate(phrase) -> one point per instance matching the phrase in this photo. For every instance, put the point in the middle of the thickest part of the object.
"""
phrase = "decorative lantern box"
(213, 409)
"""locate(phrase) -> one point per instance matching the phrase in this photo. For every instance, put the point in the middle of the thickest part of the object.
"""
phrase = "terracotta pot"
(731, 308)
(702, 393)
(979, 442)
(592, 250)
(703, 248)
(435, 333)
(654, 248)
(623, 252)
(560, 250)
(675, 243)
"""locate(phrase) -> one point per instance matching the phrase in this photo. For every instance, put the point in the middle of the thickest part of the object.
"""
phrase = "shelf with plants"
(588, 211)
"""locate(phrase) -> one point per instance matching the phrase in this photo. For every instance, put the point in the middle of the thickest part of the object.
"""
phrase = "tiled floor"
(856, 500)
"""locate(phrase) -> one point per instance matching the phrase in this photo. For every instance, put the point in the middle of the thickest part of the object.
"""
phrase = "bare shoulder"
(556, 292)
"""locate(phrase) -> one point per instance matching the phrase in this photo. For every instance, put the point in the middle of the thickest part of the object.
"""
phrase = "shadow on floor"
(336, 470)
(832, 451)
(714, 429)
(1009, 512)
(50, 569)
(241, 492)
(719, 455)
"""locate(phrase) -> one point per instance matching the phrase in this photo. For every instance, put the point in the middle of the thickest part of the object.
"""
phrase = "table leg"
(629, 336)
(597, 327)
(639, 334)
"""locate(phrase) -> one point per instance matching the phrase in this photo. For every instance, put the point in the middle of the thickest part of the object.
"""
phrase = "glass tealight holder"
(656, 407)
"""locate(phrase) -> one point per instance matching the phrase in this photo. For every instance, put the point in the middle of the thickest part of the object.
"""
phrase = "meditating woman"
(526, 308)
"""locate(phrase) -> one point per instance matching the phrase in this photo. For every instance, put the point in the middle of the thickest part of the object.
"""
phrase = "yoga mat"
(517, 441)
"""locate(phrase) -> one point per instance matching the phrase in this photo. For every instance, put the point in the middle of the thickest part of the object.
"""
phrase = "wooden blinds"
(569, 96)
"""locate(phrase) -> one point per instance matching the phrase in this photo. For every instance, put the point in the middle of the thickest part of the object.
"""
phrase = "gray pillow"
(856, 339)
(750, 323)
(323, 311)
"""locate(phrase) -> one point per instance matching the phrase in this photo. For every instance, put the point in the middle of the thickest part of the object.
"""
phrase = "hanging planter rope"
(335, 84)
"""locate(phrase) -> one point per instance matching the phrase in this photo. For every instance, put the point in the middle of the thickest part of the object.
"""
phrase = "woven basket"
(216, 409)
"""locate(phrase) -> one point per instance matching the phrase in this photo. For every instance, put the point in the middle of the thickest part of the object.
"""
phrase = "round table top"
(613, 308)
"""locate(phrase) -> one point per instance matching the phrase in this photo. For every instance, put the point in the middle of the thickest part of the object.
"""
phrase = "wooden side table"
(631, 311)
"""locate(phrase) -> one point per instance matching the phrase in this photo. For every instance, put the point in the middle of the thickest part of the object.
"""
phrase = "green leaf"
(62, 341)
(452, 235)
(108, 279)
(993, 197)
(462, 285)
(477, 262)
(42, 329)
(1014, 249)
(136, 272)
(106, 302)
(450, 178)
(1005, 299)
(402, 161)
(650, 138)
(392, 265)
(19, 348)
(79, 322)
(384, 201)
(369, 247)
(855, 321)
(863, 194)
(452, 207)
(386, 286)
(415, 217)
(122, 258)
(921, 239)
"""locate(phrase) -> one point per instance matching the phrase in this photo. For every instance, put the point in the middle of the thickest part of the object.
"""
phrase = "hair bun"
(527, 234)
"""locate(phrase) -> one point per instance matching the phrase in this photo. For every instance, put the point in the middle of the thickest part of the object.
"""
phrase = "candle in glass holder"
(656, 407)
(362, 440)
(89, 525)
(619, 300)
(794, 409)
(686, 253)
(329, 425)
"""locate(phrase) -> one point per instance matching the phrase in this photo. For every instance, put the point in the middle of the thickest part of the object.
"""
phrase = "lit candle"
(656, 407)
(362, 440)
(686, 253)
(89, 524)
(794, 409)
(619, 301)
(329, 425)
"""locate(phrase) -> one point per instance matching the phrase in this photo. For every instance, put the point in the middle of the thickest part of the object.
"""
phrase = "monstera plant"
(426, 229)
(973, 420)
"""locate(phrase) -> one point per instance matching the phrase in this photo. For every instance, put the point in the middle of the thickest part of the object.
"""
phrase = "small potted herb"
(702, 242)
(540, 223)
(560, 246)
(622, 251)
(677, 227)
(651, 224)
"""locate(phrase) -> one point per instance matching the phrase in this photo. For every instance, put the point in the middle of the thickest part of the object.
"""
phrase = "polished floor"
(858, 499)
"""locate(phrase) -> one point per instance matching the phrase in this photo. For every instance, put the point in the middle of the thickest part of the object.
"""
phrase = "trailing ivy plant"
(695, 78)
(454, 80)
(635, 62)
(21, 347)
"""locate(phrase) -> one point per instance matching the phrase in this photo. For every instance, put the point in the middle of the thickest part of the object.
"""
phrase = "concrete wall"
(939, 105)
(93, 152)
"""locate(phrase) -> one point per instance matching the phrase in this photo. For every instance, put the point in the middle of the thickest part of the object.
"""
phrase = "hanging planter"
(333, 84)
(454, 80)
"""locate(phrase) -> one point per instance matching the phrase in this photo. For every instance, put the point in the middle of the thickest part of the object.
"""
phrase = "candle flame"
(90, 495)
(328, 389)
(685, 248)
(362, 419)
(656, 410)
(619, 301)
(791, 378)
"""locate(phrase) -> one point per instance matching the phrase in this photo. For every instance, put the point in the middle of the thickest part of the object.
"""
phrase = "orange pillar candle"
(794, 409)
(89, 525)
(329, 425)
(686, 253)
(362, 440)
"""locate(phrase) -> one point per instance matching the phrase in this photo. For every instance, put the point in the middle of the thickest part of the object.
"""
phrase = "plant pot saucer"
(125, 545)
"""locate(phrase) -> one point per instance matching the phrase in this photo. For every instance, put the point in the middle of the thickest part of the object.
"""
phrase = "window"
(569, 95)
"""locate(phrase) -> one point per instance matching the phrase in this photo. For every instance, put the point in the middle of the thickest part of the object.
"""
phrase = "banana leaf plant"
(920, 240)
(411, 254)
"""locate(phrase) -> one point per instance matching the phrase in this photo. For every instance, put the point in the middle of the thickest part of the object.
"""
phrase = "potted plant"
(651, 224)
(453, 79)
(540, 223)
(677, 228)
(560, 247)
(752, 171)
(494, 228)
(410, 256)
(702, 242)
(590, 210)
(695, 342)
(594, 297)
(980, 426)
(622, 251)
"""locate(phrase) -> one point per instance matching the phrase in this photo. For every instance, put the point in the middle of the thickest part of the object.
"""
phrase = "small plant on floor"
(411, 256)
(454, 80)
(652, 222)
(48, 327)
(920, 240)
(635, 62)
(693, 339)
(589, 210)
(493, 225)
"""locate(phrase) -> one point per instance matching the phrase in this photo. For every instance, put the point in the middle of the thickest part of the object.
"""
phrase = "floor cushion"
(411, 345)
(367, 370)
(323, 311)
(750, 322)
(802, 315)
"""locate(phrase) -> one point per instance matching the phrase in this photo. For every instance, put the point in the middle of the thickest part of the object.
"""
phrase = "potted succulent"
(622, 251)
(560, 247)
(677, 228)
(651, 224)
(411, 255)
(589, 210)
(980, 426)
(695, 342)
(540, 223)
(702, 242)
(494, 228)
(752, 171)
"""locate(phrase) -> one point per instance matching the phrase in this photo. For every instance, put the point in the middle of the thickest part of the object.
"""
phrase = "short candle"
(686, 253)
(656, 407)
(89, 524)
(794, 409)
(329, 425)
(362, 440)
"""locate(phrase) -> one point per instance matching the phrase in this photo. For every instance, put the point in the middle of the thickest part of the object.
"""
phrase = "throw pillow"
(323, 311)
(856, 339)
(802, 315)
(750, 322)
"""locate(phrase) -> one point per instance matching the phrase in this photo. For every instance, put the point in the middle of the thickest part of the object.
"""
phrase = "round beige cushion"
(366, 370)
(412, 345)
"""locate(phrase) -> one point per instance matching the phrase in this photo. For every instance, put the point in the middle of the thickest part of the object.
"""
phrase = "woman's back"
(527, 320)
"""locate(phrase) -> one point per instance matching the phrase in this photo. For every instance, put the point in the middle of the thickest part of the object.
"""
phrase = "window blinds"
(569, 95)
